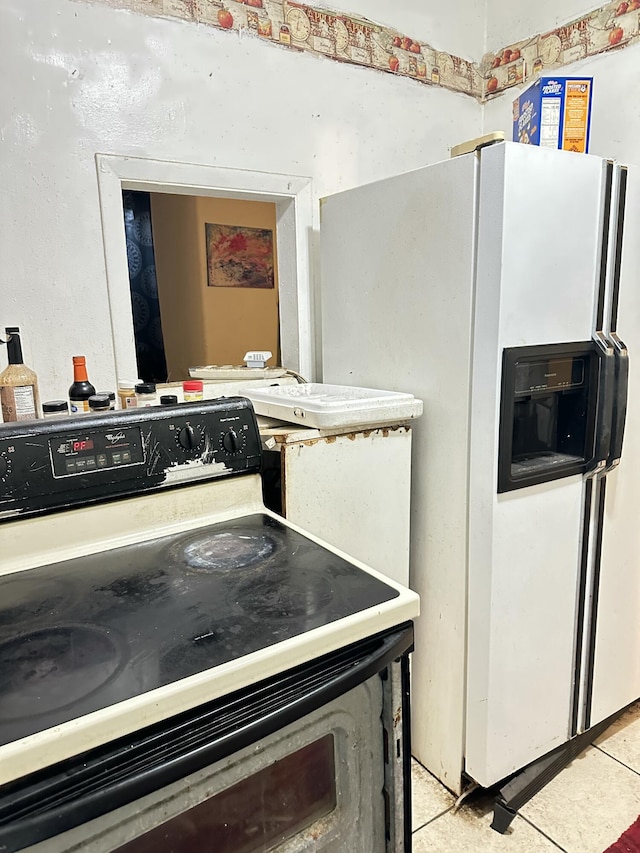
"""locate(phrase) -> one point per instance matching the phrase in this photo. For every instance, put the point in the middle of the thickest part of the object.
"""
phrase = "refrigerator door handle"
(619, 413)
(604, 412)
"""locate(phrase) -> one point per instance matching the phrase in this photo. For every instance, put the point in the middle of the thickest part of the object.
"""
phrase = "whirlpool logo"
(115, 437)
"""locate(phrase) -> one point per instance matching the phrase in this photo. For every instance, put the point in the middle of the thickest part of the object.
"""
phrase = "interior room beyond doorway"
(210, 294)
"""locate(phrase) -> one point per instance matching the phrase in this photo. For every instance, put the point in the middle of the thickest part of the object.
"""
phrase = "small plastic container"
(112, 398)
(193, 390)
(127, 393)
(323, 406)
(168, 400)
(55, 409)
(99, 403)
(146, 394)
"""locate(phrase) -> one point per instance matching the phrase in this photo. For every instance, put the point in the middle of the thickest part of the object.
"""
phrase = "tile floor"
(583, 810)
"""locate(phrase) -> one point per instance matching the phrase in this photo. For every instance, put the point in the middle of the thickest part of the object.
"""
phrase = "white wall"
(87, 79)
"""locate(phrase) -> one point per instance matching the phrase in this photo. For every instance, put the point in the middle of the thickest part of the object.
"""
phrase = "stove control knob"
(232, 441)
(189, 437)
(4, 467)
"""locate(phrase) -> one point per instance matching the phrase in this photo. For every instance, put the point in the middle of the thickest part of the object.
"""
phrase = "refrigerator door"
(539, 237)
(615, 671)
(397, 299)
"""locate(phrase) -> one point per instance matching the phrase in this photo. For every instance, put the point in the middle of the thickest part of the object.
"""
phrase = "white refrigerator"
(503, 289)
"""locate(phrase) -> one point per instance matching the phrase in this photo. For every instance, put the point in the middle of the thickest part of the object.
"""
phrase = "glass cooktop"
(86, 633)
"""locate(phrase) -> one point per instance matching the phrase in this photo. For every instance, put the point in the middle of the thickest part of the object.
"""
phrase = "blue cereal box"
(555, 112)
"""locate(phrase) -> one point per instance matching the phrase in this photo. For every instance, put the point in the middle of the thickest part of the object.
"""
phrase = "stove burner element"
(228, 550)
(276, 595)
(212, 646)
(25, 600)
(110, 626)
(47, 670)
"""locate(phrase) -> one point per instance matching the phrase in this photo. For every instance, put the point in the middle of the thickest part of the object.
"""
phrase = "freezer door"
(541, 221)
(615, 669)
(397, 313)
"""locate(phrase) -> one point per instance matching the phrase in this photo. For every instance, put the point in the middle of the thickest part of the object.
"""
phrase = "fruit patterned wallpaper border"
(358, 41)
(344, 38)
(610, 27)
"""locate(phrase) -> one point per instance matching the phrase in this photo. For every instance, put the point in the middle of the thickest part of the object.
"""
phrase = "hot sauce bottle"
(81, 389)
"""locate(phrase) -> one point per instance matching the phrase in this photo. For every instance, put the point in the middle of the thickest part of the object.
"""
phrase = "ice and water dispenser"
(548, 413)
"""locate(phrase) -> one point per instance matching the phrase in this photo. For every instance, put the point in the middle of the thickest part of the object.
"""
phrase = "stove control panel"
(63, 462)
(87, 450)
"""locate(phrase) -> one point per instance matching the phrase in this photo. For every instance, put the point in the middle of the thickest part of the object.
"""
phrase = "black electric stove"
(219, 636)
(86, 633)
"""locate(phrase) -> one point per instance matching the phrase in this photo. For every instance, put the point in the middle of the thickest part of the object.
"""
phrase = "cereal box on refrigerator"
(555, 112)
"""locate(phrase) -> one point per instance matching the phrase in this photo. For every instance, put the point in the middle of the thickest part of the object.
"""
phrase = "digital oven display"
(82, 445)
(96, 451)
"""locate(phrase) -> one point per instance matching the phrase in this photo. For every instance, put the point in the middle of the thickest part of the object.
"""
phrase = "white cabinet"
(350, 488)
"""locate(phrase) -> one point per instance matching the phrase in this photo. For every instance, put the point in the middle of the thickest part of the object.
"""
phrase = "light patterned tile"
(622, 739)
(469, 831)
(429, 797)
(587, 806)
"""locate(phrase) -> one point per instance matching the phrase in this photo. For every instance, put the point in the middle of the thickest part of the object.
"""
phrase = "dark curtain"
(152, 365)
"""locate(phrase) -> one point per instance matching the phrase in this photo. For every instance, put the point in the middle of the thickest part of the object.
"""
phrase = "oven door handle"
(90, 785)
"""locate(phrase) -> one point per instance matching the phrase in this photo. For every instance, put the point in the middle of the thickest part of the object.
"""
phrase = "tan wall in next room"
(202, 324)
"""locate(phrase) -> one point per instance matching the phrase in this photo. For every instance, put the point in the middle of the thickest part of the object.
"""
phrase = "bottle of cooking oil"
(18, 383)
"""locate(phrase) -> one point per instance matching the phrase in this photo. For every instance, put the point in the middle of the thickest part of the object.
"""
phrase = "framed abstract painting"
(238, 256)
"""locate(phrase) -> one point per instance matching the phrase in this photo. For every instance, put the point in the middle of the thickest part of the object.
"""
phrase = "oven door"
(334, 778)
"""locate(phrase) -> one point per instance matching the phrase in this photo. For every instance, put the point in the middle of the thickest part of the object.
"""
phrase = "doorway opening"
(203, 276)
(145, 304)
(295, 221)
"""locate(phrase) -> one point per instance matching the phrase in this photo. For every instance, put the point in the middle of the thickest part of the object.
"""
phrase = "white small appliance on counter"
(327, 406)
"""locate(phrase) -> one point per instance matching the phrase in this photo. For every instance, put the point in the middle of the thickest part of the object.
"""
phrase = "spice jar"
(285, 34)
(127, 393)
(112, 398)
(55, 408)
(146, 394)
(99, 403)
(168, 400)
(193, 390)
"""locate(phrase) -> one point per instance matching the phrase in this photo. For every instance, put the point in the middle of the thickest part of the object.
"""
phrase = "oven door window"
(256, 814)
